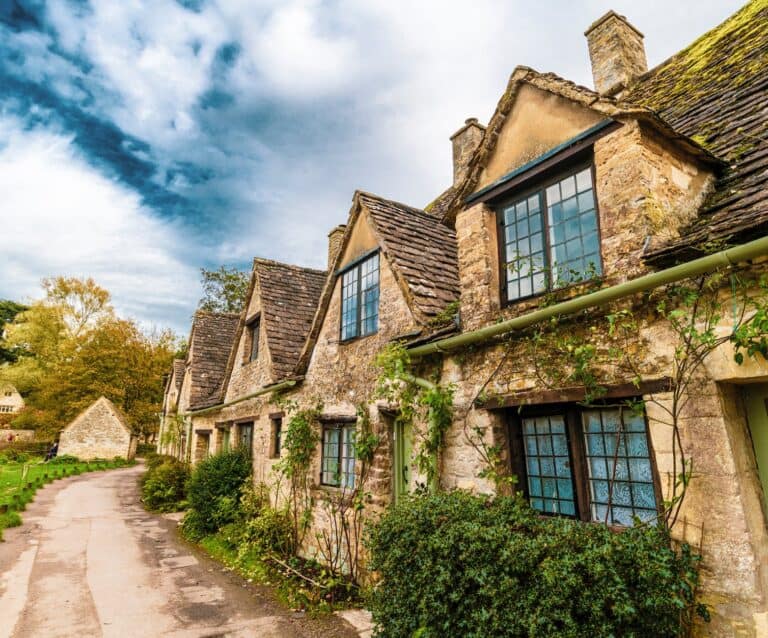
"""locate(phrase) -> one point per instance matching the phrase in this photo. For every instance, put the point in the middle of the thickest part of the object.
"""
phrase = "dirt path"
(89, 561)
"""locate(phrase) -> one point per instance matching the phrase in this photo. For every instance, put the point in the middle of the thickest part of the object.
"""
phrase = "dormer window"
(254, 327)
(549, 235)
(360, 298)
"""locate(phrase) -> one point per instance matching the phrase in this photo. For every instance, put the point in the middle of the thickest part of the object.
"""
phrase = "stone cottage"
(11, 401)
(538, 286)
(98, 432)
(171, 424)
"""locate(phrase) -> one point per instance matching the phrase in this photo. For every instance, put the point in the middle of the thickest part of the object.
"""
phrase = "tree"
(73, 349)
(8, 311)
(224, 289)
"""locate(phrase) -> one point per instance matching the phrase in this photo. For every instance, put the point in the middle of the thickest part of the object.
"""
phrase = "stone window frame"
(344, 426)
(353, 289)
(536, 183)
(578, 454)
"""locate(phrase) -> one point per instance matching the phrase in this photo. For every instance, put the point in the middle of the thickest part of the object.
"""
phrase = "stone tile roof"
(99, 409)
(421, 249)
(716, 91)
(210, 344)
(289, 298)
(179, 365)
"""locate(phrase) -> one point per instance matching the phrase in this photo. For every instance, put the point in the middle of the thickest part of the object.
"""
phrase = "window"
(360, 299)
(277, 436)
(245, 436)
(6, 409)
(589, 463)
(338, 455)
(253, 333)
(549, 237)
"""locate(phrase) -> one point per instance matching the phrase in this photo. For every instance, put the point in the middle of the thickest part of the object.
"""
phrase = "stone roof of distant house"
(716, 92)
(210, 344)
(178, 372)
(111, 407)
(289, 298)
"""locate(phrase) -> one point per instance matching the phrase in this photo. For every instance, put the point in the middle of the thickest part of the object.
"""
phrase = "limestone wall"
(97, 433)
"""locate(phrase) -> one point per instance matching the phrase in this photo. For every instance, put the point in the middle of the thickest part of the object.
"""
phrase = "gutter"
(283, 385)
(703, 265)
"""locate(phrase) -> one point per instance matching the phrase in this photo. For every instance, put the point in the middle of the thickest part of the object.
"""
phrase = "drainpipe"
(283, 385)
(700, 266)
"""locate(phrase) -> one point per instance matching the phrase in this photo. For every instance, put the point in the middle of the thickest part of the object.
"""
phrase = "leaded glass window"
(338, 455)
(619, 466)
(590, 463)
(360, 299)
(550, 483)
(550, 236)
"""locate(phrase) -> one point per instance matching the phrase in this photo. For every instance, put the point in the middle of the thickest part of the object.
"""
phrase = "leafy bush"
(163, 486)
(213, 492)
(65, 459)
(461, 565)
(143, 449)
(13, 456)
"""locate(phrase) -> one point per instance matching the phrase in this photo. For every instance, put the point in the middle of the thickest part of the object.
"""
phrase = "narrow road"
(89, 561)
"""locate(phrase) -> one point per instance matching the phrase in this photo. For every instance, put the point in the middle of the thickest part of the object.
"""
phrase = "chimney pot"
(617, 53)
(465, 142)
(334, 243)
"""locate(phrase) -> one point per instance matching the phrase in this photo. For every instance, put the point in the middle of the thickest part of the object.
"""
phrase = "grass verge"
(20, 480)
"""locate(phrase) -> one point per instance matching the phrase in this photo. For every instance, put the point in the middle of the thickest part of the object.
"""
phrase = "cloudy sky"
(143, 139)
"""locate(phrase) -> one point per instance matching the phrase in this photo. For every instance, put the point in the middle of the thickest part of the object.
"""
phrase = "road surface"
(90, 561)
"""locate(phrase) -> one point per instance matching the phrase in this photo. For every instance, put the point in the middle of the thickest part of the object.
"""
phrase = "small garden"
(23, 471)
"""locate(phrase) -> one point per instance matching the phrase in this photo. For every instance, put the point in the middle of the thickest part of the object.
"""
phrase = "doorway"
(402, 470)
(756, 405)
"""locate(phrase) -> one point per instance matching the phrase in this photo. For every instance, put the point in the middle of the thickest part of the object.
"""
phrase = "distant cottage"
(100, 431)
(10, 400)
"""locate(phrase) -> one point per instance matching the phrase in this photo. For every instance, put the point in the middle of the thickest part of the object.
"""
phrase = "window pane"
(584, 180)
(619, 466)
(360, 299)
(547, 462)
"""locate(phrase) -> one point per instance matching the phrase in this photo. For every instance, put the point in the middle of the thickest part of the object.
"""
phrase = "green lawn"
(20, 481)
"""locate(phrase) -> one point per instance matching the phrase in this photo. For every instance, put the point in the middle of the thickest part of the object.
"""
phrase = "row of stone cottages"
(571, 203)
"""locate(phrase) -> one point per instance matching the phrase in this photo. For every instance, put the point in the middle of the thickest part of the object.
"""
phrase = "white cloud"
(60, 217)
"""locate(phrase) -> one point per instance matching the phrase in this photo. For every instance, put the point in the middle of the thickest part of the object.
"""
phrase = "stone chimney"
(617, 53)
(334, 243)
(465, 142)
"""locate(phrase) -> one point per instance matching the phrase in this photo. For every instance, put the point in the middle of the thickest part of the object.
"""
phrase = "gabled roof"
(419, 248)
(178, 372)
(716, 91)
(451, 200)
(209, 346)
(289, 297)
(100, 402)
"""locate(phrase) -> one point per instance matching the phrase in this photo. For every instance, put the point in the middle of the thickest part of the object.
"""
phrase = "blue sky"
(143, 139)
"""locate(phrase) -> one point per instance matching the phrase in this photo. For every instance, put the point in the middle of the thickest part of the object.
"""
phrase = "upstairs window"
(549, 236)
(360, 299)
(338, 455)
(588, 463)
(254, 328)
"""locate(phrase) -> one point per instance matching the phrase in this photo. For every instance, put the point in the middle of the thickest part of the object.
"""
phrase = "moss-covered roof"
(716, 92)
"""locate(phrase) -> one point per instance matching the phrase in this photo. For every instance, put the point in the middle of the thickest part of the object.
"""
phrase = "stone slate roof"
(419, 248)
(179, 365)
(210, 344)
(289, 298)
(716, 91)
(102, 403)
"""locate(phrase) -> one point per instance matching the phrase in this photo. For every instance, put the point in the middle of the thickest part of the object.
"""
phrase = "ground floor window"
(589, 463)
(245, 436)
(338, 455)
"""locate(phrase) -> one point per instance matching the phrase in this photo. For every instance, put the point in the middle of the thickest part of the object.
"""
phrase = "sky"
(141, 140)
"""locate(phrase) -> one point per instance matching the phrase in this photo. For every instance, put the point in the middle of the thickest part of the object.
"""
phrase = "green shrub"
(163, 487)
(12, 455)
(143, 449)
(213, 492)
(66, 459)
(460, 565)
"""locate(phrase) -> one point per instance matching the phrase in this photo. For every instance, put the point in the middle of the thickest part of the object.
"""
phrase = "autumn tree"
(75, 349)
(224, 289)
(8, 311)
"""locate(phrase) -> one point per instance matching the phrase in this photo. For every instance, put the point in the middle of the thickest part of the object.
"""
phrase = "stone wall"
(96, 433)
(18, 435)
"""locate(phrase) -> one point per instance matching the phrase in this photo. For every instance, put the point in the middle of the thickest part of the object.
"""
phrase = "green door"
(756, 402)
(403, 474)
